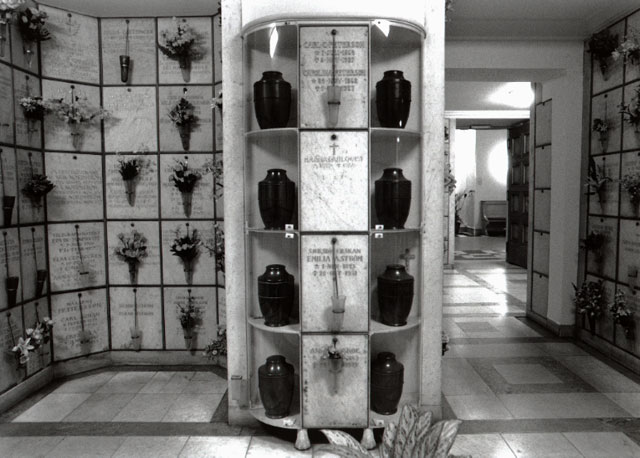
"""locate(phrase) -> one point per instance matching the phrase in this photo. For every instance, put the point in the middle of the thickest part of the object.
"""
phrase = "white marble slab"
(78, 191)
(8, 365)
(630, 165)
(19, 48)
(204, 299)
(67, 270)
(605, 107)
(629, 261)
(321, 406)
(201, 66)
(146, 189)
(30, 212)
(204, 269)
(73, 51)
(202, 197)
(334, 185)
(42, 356)
(32, 260)
(351, 61)
(352, 262)
(9, 181)
(543, 123)
(149, 267)
(202, 131)
(615, 68)
(217, 47)
(217, 119)
(10, 235)
(149, 317)
(630, 134)
(134, 124)
(606, 203)
(142, 50)
(6, 109)
(68, 324)
(28, 133)
(608, 227)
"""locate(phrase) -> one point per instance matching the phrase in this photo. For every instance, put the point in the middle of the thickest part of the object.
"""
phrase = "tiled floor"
(520, 391)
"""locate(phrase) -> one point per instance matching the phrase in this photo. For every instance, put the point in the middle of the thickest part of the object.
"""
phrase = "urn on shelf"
(393, 99)
(395, 295)
(276, 199)
(275, 295)
(272, 100)
(276, 384)
(387, 378)
(392, 198)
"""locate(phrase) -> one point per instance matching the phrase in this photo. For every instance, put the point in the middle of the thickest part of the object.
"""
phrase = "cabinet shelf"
(293, 421)
(255, 230)
(394, 132)
(379, 328)
(258, 323)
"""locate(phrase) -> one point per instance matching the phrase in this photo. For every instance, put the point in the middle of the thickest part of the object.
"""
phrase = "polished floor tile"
(603, 445)
(86, 446)
(266, 447)
(151, 447)
(460, 378)
(628, 401)
(27, 446)
(126, 382)
(468, 295)
(216, 386)
(86, 384)
(158, 382)
(601, 376)
(190, 408)
(497, 350)
(562, 349)
(216, 447)
(53, 407)
(541, 445)
(491, 309)
(481, 446)
(526, 373)
(100, 407)
(147, 407)
(561, 405)
(478, 407)
(459, 280)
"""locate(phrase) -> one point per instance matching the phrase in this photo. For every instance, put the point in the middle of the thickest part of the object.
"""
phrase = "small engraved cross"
(333, 147)
(407, 257)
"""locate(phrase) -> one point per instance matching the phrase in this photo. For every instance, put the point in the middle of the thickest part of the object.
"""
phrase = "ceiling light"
(480, 126)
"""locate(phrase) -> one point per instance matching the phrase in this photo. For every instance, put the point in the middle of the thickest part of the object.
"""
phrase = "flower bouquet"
(629, 49)
(187, 248)
(183, 116)
(601, 47)
(631, 183)
(32, 26)
(179, 44)
(132, 250)
(33, 108)
(216, 350)
(601, 126)
(37, 187)
(594, 242)
(7, 7)
(622, 315)
(597, 181)
(185, 179)
(590, 301)
(188, 316)
(21, 351)
(631, 111)
(129, 170)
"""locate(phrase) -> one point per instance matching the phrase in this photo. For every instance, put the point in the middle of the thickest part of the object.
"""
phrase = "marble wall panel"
(633, 23)
(542, 209)
(133, 125)
(218, 188)
(630, 165)
(543, 167)
(173, 203)
(28, 132)
(614, 68)
(201, 65)
(142, 50)
(606, 203)
(125, 303)
(10, 259)
(10, 330)
(6, 108)
(217, 48)
(604, 264)
(605, 107)
(204, 300)
(149, 267)
(31, 211)
(540, 296)
(145, 203)
(629, 257)
(204, 267)
(604, 324)
(24, 53)
(543, 123)
(41, 357)
(9, 182)
(33, 252)
(202, 132)
(631, 132)
(217, 119)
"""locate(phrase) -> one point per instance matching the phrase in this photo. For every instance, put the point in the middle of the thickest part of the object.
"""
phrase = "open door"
(518, 194)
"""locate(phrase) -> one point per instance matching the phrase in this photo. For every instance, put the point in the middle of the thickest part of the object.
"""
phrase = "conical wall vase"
(12, 290)
(276, 199)
(392, 198)
(8, 203)
(28, 49)
(393, 99)
(76, 136)
(130, 190)
(276, 384)
(272, 100)
(387, 378)
(395, 295)
(41, 278)
(187, 199)
(188, 271)
(133, 273)
(185, 68)
(185, 137)
(275, 295)
(125, 64)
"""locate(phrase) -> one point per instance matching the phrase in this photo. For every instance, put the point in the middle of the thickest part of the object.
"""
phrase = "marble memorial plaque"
(631, 132)
(542, 205)
(217, 48)
(615, 68)
(334, 190)
(8, 338)
(202, 131)
(31, 211)
(11, 258)
(606, 202)
(318, 289)
(603, 263)
(126, 304)
(605, 107)
(629, 261)
(541, 252)
(604, 324)
(78, 191)
(201, 64)
(204, 300)
(633, 71)
(6, 108)
(41, 357)
(217, 117)
(539, 294)
(221, 306)
(149, 267)
(204, 266)
(9, 181)
(28, 132)
(351, 75)
(630, 165)
(346, 389)
(219, 226)
(543, 167)
(134, 123)
(543, 123)
(633, 303)
(145, 197)
(142, 50)
(24, 54)
(73, 51)
(57, 135)
(34, 258)
(173, 201)
(81, 323)
(76, 256)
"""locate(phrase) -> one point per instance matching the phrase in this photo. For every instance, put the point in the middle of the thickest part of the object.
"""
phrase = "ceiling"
(533, 19)
(132, 8)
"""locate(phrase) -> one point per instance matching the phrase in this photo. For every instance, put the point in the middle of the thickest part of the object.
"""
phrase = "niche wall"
(610, 212)
(77, 231)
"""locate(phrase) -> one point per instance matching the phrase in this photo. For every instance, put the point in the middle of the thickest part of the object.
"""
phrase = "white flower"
(6, 5)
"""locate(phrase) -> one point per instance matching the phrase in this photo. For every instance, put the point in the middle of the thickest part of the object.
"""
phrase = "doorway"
(518, 194)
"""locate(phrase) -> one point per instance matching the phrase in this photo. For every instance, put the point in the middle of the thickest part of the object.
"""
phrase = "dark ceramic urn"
(387, 378)
(275, 295)
(272, 100)
(393, 99)
(275, 384)
(395, 295)
(276, 199)
(392, 198)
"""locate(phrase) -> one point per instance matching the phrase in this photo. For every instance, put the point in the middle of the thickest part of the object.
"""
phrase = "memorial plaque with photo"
(57, 133)
(631, 132)
(34, 262)
(602, 262)
(347, 388)
(31, 209)
(28, 131)
(6, 108)
(10, 259)
(201, 64)
(134, 123)
(201, 132)
(141, 50)
(630, 166)
(176, 204)
(40, 357)
(9, 185)
(203, 268)
(10, 331)
(148, 269)
(81, 323)
(73, 52)
(136, 318)
(204, 300)
(334, 189)
(144, 188)
(24, 53)
(605, 201)
(76, 256)
(615, 68)
(319, 285)
(317, 53)
(605, 108)
(78, 191)
(629, 259)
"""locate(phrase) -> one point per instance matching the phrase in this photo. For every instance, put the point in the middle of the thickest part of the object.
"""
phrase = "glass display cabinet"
(333, 208)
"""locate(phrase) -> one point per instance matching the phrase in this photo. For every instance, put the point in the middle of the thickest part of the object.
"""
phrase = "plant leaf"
(336, 437)
(420, 430)
(408, 418)
(388, 439)
(341, 451)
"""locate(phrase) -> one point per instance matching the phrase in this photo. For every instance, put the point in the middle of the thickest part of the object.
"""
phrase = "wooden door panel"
(518, 194)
